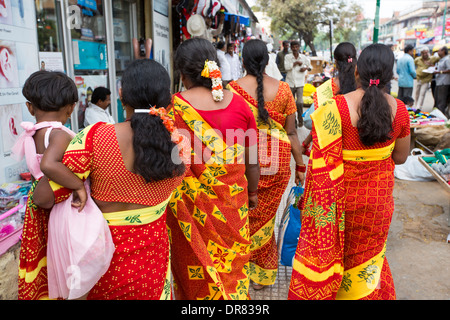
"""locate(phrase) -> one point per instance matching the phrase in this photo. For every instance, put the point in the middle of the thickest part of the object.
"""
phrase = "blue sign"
(91, 55)
(90, 4)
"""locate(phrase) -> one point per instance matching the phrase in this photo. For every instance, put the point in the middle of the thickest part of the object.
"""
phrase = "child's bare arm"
(43, 195)
(55, 170)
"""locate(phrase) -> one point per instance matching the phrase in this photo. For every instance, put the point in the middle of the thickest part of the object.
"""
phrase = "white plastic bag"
(79, 250)
(412, 169)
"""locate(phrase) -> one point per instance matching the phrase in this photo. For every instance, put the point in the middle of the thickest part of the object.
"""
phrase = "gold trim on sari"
(137, 216)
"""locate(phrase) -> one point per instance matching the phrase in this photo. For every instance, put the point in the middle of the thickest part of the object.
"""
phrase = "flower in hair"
(211, 70)
(167, 122)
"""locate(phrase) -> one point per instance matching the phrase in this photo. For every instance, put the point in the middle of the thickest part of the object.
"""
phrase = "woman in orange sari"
(274, 110)
(208, 218)
(348, 203)
(133, 172)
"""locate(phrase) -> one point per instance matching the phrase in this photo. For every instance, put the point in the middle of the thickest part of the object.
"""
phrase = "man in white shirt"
(296, 66)
(233, 60)
(225, 68)
(97, 109)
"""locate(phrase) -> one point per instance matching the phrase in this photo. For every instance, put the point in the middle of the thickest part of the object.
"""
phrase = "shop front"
(92, 41)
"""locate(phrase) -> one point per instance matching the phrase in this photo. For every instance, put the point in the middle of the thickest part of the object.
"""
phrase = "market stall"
(438, 164)
(13, 199)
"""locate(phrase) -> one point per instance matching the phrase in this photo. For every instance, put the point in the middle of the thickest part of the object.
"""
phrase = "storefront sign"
(89, 55)
(18, 59)
(51, 61)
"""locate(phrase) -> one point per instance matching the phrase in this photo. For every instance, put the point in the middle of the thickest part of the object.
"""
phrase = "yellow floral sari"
(208, 215)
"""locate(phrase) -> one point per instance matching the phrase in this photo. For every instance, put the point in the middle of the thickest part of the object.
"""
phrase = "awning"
(229, 6)
(426, 40)
(242, 19)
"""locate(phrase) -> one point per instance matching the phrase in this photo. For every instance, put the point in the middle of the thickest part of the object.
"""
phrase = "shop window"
(89, 48)
(122, 35)
(48, 26)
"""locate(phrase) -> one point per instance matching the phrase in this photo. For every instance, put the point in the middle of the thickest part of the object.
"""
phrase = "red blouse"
(110, 179)
(350, 136)
(237, 117)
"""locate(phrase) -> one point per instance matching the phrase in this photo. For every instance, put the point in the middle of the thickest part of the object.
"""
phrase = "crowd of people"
(191, 182)
(430, 71)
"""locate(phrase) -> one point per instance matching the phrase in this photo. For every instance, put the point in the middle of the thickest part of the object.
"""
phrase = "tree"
(348, 27)
(301, 16)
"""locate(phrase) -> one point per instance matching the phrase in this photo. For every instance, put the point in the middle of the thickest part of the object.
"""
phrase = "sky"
(387, 7)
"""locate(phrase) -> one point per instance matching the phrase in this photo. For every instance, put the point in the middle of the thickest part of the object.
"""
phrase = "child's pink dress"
(80, 246)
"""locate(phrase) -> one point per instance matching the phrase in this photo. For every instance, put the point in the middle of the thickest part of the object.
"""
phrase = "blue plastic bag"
(290, 226)
(307, 122)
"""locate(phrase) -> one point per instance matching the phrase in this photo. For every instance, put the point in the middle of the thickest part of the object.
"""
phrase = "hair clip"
(350, 60)
(375, 82)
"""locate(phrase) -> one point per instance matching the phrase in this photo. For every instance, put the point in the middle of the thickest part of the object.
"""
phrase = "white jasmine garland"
(212, 71)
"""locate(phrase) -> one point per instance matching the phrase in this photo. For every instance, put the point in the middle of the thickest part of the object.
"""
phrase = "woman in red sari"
(348, 204)
(274, 110)
(208, 218)
(132, 174)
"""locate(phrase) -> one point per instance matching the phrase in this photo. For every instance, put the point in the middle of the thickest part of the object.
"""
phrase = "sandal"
(257, 286)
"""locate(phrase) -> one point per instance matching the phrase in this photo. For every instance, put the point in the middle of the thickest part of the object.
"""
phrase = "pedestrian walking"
(225, 67)
(358, 139)
(423, 78)
(406, 71)
(442, 79)
(276, 118)
(133, 171)
(208, 218)
(51, 98)
(233, 60)
(296, 66)
(280, 58)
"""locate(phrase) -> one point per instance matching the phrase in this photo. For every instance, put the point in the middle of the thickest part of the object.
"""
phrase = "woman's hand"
(79, 198)
(252, 201)
(299, 178)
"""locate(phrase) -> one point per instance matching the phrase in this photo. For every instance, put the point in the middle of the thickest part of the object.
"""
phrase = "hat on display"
(196, 25)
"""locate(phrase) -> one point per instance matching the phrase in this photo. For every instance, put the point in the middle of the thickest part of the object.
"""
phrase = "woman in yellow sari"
(348, 204)
(274, 109)
(208, 218)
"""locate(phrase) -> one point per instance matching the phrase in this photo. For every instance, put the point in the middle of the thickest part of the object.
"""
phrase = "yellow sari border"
(324, 92)
(369, 155)
(262, 276)
(317, 276)
(327, 122)
(362, 280)
(137, 216)
(30, 276)
(221, 153)
(272, 128)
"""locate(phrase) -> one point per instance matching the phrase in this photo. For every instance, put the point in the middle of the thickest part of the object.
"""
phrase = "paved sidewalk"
(279, 290)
